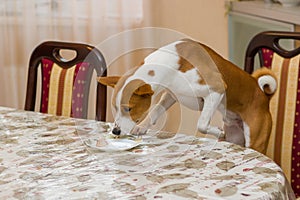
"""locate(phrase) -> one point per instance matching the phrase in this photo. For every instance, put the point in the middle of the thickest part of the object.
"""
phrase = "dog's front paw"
(212, 130)
(217, 132)
(139, 130)
(221, 136)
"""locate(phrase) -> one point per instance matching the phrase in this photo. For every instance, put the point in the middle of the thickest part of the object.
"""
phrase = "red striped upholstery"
(284, 143)
(267, 56)
(64, 89)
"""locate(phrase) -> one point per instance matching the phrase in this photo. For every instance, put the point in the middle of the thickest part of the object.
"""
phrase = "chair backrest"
(284, 142)
(66, 83)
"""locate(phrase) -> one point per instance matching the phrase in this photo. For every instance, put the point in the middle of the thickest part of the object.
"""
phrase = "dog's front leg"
(211, 102)
(165, 102)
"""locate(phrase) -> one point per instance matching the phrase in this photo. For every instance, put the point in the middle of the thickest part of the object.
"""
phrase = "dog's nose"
(116, 131)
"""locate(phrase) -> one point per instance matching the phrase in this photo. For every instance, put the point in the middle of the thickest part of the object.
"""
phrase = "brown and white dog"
(196, 76)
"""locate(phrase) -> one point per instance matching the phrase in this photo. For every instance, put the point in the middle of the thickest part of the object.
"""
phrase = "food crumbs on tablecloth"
(138, 139)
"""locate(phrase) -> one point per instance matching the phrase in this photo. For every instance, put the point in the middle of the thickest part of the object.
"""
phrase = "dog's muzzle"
(116, 130)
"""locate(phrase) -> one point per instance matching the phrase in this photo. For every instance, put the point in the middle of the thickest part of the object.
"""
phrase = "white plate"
(113, 144)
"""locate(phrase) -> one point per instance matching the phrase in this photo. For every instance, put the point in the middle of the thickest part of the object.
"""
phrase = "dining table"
(43, 156)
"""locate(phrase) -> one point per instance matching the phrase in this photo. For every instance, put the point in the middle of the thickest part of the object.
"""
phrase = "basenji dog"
(194, 75)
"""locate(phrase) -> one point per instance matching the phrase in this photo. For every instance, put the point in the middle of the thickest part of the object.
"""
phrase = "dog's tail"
(267, 80)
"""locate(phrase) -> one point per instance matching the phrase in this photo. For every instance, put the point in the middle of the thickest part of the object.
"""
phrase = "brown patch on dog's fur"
(135, 94)
(186, 66)
(117, 82)
(194, 54)
(151, 73)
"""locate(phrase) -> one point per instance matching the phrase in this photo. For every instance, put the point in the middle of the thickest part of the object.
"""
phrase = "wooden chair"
(284, 142)
(65, 84)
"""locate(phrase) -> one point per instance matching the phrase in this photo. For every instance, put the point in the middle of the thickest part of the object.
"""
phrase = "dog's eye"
(126, 109)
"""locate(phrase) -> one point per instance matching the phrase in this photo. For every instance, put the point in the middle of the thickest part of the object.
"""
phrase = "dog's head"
(131, 100)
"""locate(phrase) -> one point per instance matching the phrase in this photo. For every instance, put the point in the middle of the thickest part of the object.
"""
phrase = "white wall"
(204, 20)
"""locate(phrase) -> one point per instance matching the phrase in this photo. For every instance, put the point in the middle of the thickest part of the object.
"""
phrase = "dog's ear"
(144, 90)
(109, 80)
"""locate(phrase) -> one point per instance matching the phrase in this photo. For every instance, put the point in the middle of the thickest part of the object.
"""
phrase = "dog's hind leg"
(234, 128)
(211, 103)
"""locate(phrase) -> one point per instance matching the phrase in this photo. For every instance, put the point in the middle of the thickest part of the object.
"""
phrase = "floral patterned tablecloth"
(44, 157)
